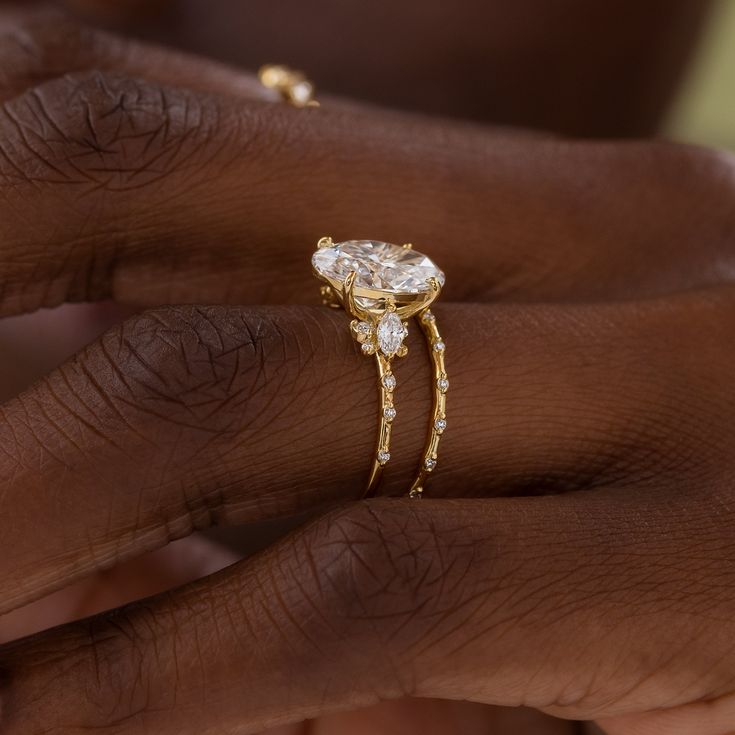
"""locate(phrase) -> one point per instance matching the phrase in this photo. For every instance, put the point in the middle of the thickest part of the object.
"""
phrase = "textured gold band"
(387, 384)
(440, 385)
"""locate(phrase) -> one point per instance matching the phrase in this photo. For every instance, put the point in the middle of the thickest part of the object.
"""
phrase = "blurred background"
(704, 109)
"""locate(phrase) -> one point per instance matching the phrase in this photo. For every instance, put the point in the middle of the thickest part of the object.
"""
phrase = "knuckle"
(106, 657)
(99, 132)
(197, 367)
(394, 572)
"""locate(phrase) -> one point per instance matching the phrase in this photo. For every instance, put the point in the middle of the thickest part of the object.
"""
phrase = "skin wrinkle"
(380, 548)
(526, 331)
(442, 134)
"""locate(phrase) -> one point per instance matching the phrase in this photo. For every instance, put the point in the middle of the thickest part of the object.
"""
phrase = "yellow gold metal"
(407, 245)
(382, 449)
(440, 384)
(292, 85)
(348, 295)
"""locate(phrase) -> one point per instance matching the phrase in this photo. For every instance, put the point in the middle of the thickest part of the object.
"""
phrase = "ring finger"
(184, 417)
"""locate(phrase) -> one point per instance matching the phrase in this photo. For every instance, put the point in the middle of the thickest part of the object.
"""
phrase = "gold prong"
(407, 245)
(348, 294)
(434, 283)
(402, 351)
(325, 242)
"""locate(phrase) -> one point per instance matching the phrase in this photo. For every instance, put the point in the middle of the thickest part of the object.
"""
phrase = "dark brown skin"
(591, 372)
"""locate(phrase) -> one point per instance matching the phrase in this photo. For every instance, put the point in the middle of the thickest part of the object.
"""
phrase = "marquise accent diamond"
(390, 333)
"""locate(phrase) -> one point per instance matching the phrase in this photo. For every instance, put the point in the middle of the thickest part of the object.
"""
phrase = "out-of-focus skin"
(118, 183)
(572, 66)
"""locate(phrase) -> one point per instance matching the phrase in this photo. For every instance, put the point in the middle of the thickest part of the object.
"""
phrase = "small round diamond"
(363, 328)
(383, 456)
(440, 425)
(389, 413)
(389, 381)
(429, 464)
(427, 316)
(442, 384)
(367, 348)
(439, 346)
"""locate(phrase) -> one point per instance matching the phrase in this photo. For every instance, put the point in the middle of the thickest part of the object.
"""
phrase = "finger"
(186, 417)
(178, 563)
(39, 46)
(581, 604)
(413, 716)
(125, 189)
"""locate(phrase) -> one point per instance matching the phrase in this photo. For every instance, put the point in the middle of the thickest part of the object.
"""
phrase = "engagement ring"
(382, 286)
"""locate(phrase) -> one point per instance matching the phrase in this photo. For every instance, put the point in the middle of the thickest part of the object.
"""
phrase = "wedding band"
(381, 286)
(291, 84)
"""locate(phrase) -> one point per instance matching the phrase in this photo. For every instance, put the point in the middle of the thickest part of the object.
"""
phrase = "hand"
(184, 416)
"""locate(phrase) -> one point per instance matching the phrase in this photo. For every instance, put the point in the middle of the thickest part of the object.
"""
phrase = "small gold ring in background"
(292, 85)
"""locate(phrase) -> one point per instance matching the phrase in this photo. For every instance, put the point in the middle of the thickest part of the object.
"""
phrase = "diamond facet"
(440, 425)
(383, 456)
(429, 464)
(389, 381)
(442, 384)
(439, 346)
(378, 265)
(390, 333)
(389, 413)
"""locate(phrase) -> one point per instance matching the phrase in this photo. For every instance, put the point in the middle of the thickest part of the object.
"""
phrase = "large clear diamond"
(379, 265)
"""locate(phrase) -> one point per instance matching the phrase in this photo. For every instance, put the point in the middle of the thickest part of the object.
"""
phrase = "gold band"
(440, 385)
(387, 384)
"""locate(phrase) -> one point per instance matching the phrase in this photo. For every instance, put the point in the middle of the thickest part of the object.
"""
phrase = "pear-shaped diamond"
(390, 333)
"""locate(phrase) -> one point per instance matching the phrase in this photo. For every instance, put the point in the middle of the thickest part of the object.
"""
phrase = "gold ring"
(292, 85)
(381, 286)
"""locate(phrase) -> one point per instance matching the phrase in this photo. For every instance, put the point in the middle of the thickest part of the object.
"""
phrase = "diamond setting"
(382, 266)
(440, 425)
(389, 381)
(429, 464)
(389, 413)
(383, 456)
(390, 333)
(442, 384)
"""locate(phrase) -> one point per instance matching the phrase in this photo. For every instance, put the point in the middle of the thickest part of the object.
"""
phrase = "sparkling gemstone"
(367, 348)
(378, 265)
(389, 413)
(389, 381)
(383, 456)
(364, 328)
(429, 464)
(439, 346)
(302, 92)
(440, 425)
(390, 333)
(427, 316)
(442, 384)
